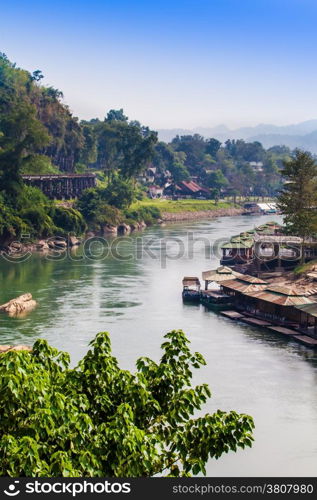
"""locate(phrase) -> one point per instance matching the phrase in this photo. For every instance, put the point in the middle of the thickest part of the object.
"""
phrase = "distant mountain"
(302, 135)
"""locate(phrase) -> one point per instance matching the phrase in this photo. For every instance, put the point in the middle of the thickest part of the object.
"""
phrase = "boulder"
(73, 241)
(42, 245)
(124, 229)
(109, 229)
(57, 244)
(23, 303)
(16, 245)
(60, 243)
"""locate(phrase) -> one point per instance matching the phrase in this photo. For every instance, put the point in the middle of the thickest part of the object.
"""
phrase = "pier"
(285, 308)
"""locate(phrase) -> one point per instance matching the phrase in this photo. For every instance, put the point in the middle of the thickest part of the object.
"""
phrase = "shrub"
(119, 193)
(11, 225)
(39, 221)
(98, 420)
(69, 219)
(148, 214)
(96, 211)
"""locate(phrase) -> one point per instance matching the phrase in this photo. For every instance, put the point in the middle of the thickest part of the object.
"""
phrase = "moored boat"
(216, 300)
(191, 289)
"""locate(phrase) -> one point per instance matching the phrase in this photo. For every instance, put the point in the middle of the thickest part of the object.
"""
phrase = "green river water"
(137, 298)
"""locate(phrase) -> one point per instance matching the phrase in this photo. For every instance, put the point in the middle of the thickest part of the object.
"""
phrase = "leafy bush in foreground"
(99, 420)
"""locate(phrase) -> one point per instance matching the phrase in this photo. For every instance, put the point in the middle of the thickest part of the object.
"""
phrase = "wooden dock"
(231, 314)
(255, 321)
(283, 330)
(290, 333)
(308, 341)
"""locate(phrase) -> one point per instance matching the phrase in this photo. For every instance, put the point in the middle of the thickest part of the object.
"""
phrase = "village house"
(187, 189)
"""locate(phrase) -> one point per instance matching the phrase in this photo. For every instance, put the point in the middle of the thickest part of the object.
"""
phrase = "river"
(137, 298)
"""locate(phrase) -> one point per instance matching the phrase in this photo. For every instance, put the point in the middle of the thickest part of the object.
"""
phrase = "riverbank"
(182, 210)
(201, 214)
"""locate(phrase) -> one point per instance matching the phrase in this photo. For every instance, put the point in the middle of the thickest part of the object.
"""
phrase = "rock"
(60, 243)
(73, 241)
(124, 229)
(42, 245)
(7, 348)
(109, 229)
(19, 305)
(16, 245)
(57, 243)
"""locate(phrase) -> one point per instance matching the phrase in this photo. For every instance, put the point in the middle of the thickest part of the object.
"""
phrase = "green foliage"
(117, 146)
(39, 164)
(217, 180)
(149, 214)
(179, 172)
(11, 225)
(298, 198)
(176, 206)
(99, 420)
(119, 192)
(22, 135)
(69, 219)
(96, 211)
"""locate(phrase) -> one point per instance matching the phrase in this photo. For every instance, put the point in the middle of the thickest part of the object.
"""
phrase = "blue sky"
(176, 63)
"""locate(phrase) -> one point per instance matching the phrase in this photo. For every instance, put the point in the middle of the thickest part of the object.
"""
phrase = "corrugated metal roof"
(290, 291)
(270, 238)
(312, 274)
(310, 309)
(243, 287)
(238, 244)
(252, 279)
(282, 300)
(220, 274)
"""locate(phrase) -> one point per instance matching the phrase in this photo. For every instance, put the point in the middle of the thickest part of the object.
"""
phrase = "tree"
(216, 180)
(22, 135)
(136, 147)
(179, 171)
(298, 198)
(96, 211)
(100, 420)
(116, 115)
(212, 147)
(119, 192)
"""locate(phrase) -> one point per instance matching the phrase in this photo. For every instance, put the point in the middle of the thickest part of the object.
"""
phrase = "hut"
(219, 275)
(237, 251)
(308, 318)
(278, 303)
(241, 288)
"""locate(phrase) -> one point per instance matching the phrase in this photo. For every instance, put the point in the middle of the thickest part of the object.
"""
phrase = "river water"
(137, 298)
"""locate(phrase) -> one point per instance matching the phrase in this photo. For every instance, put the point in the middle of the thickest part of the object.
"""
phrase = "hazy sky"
(176, 63)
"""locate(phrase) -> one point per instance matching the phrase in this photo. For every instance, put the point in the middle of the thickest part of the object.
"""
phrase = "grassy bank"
(177, 206)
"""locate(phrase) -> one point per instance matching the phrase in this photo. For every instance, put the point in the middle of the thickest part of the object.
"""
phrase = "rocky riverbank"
(59, 243)
(201, 214)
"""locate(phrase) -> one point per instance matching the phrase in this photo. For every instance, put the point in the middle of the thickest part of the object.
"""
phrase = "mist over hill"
(300, 135)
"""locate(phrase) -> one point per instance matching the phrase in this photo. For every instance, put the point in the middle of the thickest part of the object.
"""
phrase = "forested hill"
(39, 134)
